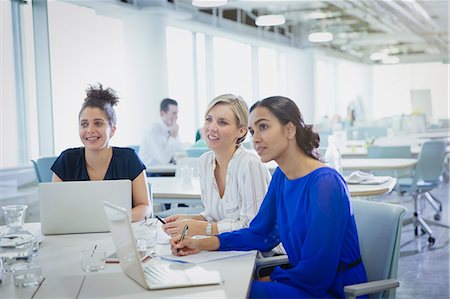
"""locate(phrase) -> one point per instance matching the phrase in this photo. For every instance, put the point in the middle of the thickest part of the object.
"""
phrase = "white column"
(146, 76)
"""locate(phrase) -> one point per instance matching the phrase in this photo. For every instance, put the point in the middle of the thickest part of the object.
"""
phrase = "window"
(232, 68)
(180, 71)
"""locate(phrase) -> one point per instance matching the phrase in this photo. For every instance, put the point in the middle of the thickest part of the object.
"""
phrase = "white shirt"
(246, 185)
(158, 146)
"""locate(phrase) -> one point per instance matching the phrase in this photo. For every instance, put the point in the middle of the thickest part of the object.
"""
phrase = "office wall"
(392, 85)
(8, 114)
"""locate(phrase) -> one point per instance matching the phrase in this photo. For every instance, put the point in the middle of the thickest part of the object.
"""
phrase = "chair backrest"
(430, 164)
(371, 132)
(42, 168)
(379, 228)
(135, 148)
(195, 152)
(389, 152)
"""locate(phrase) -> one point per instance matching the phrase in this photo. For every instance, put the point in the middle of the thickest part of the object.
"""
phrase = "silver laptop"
(154, 276)
(77, 207)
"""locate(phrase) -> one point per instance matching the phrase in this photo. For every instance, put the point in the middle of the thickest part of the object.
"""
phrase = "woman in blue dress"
(307, 208)
(97, 160)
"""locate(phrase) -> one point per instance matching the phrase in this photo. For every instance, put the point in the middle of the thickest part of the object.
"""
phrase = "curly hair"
(104, 99)
(285, 110)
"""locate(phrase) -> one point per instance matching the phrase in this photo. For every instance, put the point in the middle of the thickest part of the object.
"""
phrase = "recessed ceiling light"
(378, 55)
(209, 3)
(319, 37)
(391, 60)
(270, 20)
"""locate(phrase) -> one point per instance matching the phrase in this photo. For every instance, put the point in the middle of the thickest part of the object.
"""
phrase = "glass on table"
(28, 274)
(146, 235)
(93, 260)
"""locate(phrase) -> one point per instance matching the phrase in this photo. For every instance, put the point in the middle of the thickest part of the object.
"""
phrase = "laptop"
(77, 207)
(154, 276)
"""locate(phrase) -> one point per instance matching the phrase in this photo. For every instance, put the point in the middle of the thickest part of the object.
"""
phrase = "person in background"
(307, 207)
(233, 180)
(97, 160)
(161, 140)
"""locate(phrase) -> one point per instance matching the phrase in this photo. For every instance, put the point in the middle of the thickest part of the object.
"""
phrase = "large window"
(85, 48)
(232, 68)
(181, 79)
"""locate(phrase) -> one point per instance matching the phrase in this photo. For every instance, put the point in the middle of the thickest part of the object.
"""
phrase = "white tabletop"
(60, 257)
(377, 163)
(172, 189)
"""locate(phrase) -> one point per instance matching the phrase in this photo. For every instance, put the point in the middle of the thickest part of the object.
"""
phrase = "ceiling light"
(378, 55)
(391, 60)
(319, 37)
(270, 20)
(209, 3)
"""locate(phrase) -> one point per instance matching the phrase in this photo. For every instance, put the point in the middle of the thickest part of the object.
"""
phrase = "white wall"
(392, 85)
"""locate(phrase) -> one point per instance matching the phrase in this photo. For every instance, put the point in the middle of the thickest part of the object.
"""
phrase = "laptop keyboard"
(161, 275)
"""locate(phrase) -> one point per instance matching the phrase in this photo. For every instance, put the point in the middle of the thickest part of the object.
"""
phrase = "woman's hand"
(193, 245)
(174, 228)
(185, 247)
(176, 217)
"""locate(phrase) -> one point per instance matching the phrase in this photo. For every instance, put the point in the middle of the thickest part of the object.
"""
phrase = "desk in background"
(172, 190)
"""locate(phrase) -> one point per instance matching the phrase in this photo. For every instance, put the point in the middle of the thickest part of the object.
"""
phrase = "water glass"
(27, 274)
(93, 260)
(146, 237)
(187, 172)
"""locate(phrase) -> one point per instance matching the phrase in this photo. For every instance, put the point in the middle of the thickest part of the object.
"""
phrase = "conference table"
(59, 256)
(171, 190)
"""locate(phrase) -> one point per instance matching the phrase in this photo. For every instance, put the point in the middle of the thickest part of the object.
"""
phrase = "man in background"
(161, 141)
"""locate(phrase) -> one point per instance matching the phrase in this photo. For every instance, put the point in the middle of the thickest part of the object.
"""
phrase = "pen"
(183, 233)
(159, 218)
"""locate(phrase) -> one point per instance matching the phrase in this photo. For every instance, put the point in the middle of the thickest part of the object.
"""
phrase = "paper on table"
(204, 256)
(375, 180)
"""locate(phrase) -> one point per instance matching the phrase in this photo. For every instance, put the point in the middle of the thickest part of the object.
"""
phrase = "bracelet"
(208, 229)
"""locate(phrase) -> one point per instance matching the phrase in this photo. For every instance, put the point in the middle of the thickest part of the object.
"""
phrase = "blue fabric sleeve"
(262, 233)
(327, 217)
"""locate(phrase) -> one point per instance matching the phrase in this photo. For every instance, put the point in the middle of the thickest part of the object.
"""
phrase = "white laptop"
(77, 207)
(153, 276)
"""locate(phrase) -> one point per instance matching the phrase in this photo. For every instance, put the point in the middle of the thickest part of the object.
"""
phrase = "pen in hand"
(159, 218)
(183, 234)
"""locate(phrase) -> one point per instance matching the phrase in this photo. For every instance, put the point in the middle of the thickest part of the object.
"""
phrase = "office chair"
(195, 152)
(42, 169)
(379, 230)
(427, 176)
(135, 148)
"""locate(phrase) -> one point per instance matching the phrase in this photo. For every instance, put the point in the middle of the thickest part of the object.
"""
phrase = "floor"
(423, 271)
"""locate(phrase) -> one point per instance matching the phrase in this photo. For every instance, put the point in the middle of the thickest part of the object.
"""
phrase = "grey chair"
(427, 176)
(42, 168)
(379, 230)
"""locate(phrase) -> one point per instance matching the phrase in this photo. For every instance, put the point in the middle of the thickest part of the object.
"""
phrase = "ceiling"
(412, 30)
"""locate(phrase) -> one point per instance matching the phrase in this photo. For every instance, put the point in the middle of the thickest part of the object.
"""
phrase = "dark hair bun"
(97, 93)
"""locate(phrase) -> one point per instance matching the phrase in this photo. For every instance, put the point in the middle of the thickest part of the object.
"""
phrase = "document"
(204, 256)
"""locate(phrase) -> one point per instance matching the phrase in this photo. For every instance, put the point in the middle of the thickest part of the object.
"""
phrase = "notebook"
(154, 276)
(77, 207)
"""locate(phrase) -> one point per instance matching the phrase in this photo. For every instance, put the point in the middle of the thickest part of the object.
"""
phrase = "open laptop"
(77, 207)
(154, 276)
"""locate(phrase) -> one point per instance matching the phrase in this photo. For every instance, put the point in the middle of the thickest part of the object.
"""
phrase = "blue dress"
(124, 165)
(312, 217)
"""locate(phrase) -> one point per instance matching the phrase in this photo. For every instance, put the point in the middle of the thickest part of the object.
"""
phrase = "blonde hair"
(239, 108)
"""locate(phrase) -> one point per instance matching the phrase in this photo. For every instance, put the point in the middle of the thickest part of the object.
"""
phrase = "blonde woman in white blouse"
(233, 180)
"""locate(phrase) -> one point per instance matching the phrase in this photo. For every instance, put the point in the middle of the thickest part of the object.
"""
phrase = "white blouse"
(247, 180)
